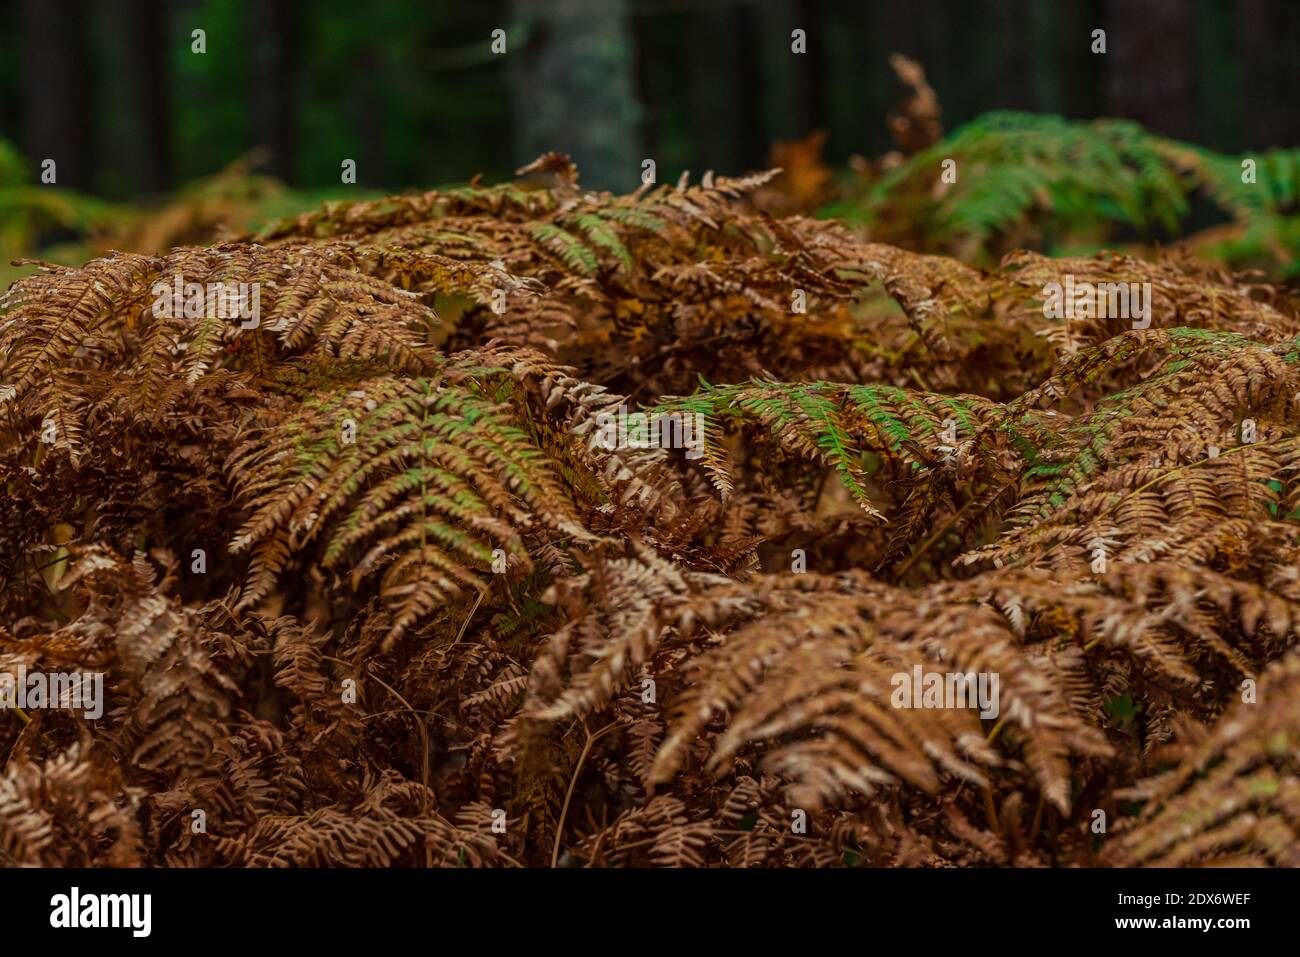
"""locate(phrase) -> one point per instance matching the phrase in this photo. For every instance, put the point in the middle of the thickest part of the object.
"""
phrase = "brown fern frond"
(1235, 796)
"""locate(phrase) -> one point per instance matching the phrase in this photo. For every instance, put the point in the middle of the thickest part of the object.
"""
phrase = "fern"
(1036, 178)
(365, 575)
(427, 478)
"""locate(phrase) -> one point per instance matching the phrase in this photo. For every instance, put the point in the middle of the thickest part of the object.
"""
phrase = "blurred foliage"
(1023, 181)
(374, 92)
(229, 203)
(202, 211)
(1043, 182)
(34, 216)
(62, 226)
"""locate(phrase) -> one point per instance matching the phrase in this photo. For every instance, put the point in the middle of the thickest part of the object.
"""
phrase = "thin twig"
(465, 626)
(419, 725)
(901, 570)
(573, 783)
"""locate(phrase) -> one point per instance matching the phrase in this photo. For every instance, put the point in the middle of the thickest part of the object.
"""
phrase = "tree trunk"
(145, 24)
(810, 68)
(56, 90)
(573, 87)
(274, 29)
(1270, 35)
(1149, 51)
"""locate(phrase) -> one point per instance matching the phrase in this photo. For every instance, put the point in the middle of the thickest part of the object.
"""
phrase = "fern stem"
(419, 725)
(1038, 818)
(468, 618)
(933, 537)
(996, 728)
(573, 783)
(991, 812)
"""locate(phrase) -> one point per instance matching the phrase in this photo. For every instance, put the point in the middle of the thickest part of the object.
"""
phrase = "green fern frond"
(572, 251)
(414, 478)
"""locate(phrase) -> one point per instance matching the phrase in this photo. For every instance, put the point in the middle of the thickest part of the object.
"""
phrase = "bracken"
(369, 588)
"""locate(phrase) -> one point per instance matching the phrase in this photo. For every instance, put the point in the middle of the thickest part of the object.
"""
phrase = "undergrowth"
(368, 588)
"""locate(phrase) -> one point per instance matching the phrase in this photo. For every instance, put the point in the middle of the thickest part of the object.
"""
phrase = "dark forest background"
(413, 93)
